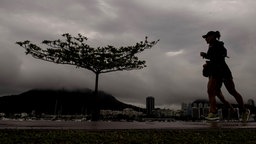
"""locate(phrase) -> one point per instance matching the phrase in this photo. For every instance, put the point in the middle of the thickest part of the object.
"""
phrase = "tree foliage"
(74, 50)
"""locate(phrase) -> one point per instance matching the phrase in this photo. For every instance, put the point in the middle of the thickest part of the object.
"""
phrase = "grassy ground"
(209, 136)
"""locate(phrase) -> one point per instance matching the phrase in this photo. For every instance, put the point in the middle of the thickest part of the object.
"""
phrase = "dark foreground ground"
(130, 136)
(102, 132)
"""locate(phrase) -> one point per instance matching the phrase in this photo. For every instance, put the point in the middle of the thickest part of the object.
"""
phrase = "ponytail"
(217, 34)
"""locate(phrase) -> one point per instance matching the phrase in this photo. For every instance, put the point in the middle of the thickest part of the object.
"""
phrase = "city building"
(150, 105)
(164, 112)
(200, 108)
(184, 108)
(251, 102)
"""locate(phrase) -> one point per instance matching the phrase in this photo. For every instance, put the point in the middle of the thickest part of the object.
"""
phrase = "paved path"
(102, 125)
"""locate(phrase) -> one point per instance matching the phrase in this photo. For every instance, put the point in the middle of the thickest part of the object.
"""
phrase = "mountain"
(60, 102)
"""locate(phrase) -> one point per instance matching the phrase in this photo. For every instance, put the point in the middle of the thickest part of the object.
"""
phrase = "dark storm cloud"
(10, 68)
(174, 67)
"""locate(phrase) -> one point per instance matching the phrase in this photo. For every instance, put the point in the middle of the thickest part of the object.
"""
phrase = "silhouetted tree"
(74, 50)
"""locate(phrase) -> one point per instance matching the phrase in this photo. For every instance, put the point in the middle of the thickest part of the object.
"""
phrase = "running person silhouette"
(218, 74)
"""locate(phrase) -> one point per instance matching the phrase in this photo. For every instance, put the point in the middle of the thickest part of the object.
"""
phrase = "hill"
(60, 102)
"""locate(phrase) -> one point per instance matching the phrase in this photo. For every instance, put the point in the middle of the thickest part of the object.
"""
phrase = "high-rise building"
(150, 105)
(184, 108)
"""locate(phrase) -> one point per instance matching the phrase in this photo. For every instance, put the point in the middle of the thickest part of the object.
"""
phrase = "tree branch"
(75, 51)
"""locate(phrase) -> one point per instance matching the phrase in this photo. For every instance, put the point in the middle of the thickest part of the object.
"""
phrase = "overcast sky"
(173, 72)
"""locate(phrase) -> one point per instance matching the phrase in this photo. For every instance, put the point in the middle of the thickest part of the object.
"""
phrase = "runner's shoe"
(246, 115)
(212, 117)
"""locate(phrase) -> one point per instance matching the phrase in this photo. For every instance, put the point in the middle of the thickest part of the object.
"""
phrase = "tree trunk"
(96, 83)
(96, 101)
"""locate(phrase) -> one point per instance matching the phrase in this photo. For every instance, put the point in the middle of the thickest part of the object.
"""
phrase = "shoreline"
(105, 125)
